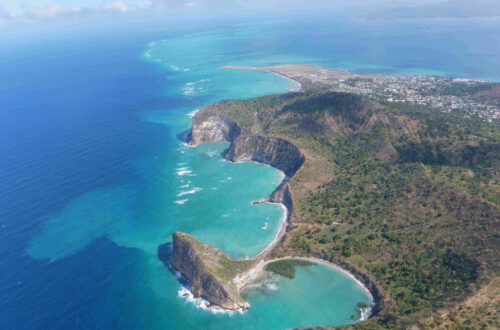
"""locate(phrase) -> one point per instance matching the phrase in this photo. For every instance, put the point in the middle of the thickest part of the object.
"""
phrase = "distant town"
(474, 97)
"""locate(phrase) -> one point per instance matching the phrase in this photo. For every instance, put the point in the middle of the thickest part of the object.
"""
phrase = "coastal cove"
(253, 284)
(325, 120)
(208, 127)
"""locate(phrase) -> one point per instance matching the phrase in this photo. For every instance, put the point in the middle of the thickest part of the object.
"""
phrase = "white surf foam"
(181, 202)
(184, 171)
(272, 286)
(204, 304)
(364, 314)
(189, 192)
(192, 113)
(188, 91)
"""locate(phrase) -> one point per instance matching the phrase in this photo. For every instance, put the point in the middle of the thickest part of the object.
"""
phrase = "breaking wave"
(204, 304)
(189, 192)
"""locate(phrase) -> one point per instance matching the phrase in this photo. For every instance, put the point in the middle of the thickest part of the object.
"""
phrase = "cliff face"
(209, 127)
(209, 271)
(280, 195)
(276, 152)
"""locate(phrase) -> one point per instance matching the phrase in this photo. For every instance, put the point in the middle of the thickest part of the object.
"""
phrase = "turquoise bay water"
(192, 189)
(94, 178)
(199, 194)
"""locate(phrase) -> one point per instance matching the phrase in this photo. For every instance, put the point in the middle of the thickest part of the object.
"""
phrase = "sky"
(30, 11)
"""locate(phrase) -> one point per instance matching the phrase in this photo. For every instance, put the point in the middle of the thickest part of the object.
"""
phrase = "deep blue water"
(82, 118)
(68, 126)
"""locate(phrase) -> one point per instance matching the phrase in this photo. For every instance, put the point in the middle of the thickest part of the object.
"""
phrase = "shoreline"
(277, 237)
(254, 274)
(344, 271)
(288, 78)
(251, 277)
(265, 69)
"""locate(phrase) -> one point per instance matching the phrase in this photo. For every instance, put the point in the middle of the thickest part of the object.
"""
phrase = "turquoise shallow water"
(199, 194)
(192, 189)
(93, 177)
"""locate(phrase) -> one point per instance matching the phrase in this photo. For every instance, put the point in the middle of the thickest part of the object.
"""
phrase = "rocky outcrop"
(276, 152)
(280, 195)
(210, 272)
(209, 127)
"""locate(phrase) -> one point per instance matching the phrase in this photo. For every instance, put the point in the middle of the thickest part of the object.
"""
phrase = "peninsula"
(403, 194)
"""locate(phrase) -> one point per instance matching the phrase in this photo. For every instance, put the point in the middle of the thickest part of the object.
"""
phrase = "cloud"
(4, 15)
(56, 11)
(52, 10)
(47, 12)
(119, 6)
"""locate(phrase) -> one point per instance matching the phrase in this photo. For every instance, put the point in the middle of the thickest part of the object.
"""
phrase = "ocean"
(93, 176)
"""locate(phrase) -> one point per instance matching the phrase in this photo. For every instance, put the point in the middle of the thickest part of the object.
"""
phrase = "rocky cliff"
(276, 152)
(209, 271)
(210, 127)
(280, 195)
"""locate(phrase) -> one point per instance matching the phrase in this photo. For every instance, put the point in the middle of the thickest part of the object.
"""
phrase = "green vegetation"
(407, 194)
(227, 268)
(286, 268)
(216, 261)
(461, 88)
(362, 305)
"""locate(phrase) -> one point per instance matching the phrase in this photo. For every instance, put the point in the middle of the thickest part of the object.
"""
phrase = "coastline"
(265, 69)
(301, 87)
(255, 274)
(277, 237)
(337, 267)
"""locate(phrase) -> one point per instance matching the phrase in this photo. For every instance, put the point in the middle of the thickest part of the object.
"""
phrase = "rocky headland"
(210, 271)
(211, 128)
(212, 274)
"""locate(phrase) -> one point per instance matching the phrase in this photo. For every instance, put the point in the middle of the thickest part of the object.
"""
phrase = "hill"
(404, 193)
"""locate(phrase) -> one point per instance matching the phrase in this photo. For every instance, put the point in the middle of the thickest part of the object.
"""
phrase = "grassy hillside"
(408, 195)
